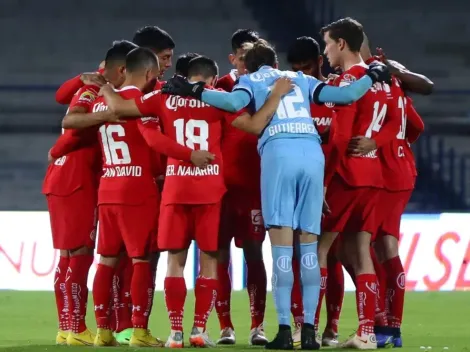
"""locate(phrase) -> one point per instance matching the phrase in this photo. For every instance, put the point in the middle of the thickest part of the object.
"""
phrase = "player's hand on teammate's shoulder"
(360, 145)
(379, 73)
(393, 66)
(107, 88)
(93, 79)
(201, 158)
(179, 85)
(282, 86)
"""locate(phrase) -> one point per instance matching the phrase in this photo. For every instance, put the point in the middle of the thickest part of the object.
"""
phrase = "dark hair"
(119, 51)
(140, 59)
(243, 36)
(203, 66)
(349, 30)
(261, 54)
(153, 38)
(182, 64)
(302, 50)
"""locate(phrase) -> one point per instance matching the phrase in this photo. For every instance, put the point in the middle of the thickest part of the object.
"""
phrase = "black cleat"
(282, 341)
(307, 338)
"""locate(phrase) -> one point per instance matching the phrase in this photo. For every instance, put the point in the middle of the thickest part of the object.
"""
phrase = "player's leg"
(333, 297)
(206, 221)
(173, 235)
(228, 226)
(380, 313)
(59, 232)
(297, 307)
(109, 247)
(122, 299)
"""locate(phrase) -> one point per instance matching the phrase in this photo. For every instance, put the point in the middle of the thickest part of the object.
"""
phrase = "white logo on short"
(309, 261)
(401, 281)
(256, 217)
(284, 263)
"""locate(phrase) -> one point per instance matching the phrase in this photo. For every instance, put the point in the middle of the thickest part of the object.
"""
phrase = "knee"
(109, 261)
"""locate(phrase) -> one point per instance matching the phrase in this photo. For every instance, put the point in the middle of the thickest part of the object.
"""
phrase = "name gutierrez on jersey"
(182, 170)
(292, 127)
(174, 102)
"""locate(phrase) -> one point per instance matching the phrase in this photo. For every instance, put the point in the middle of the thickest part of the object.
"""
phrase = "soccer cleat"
(329, 340)
(61, 337)
(364, 342)
(227, 337)
(200, 338)
(384, 340)
(85, 338)
(308, 340)
(124, 336)
(296, 336)
(257, 337)
(175, 340)
(282, 341)
(143, 338)
(105, 338)
(397, 342)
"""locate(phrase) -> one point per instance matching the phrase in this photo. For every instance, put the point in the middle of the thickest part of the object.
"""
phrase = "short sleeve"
(85, 97)
(244, 83)
(150, 104)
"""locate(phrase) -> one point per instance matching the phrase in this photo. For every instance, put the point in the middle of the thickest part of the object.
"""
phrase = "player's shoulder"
(87, 94)
(129, 92)
(354, 73)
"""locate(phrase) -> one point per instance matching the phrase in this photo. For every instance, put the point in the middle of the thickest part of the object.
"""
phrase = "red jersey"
(227, 82)
(364, 118)
(242, 168)
(414, 128)
(396, 168)
(197, 126)
(323, 117)
(80, 168)
(129, 166)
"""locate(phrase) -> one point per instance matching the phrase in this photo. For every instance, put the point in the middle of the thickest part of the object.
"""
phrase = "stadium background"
(47, 42)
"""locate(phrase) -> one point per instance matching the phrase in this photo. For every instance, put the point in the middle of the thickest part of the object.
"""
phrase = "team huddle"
(323, 164)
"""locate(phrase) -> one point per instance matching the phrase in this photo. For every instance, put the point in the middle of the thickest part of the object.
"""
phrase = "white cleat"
(175, 340)
(296, 337)
(329, 341)
(200, 339)
(257, 337)
(227, 337)
(364, 342)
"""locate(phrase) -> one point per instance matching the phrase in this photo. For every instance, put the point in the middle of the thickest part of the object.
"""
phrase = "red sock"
(206, 294)
(123, 299)
(351, 273)
(77, 290)
(153, 269)
(366, 288)
(102, 293)
(334, 293)
(61, 297)
(296, 307)
(324, 280)
(380, 313)
(175, 296)
(395, 291)
(141, 293)
(224, 292)
(256, 287)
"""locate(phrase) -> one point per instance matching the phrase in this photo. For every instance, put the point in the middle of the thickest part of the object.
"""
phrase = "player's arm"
(72, 140)
(78, 118)
(127, 108)
(415, 125)
(68, 89)
(148, 127)
(257, 122)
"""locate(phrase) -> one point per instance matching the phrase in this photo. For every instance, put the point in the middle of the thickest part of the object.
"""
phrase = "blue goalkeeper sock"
(282, 281)
(310, 279)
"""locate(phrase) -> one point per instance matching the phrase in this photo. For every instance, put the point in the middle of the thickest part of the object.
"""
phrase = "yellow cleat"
(61, 338)
(143, 338)
(104, 337)
(84, 338)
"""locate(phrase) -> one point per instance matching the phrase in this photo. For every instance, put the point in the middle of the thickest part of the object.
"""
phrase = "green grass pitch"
(436, 319)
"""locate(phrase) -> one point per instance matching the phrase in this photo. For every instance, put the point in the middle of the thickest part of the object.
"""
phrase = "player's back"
(197, 126)
(129, 166)
(369, 114)
(292, 118)
(80, 168)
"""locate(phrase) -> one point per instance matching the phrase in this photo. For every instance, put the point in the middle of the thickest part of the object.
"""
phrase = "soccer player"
(191, 197)
(241, 210)
(291, 160)
(151, 37)
(71, 187)
(182, 64)
(304, 55)
(354, 189)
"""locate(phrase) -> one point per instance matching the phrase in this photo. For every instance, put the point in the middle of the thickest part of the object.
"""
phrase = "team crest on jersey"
(346, 80)
(149, 95)
(87, 96)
